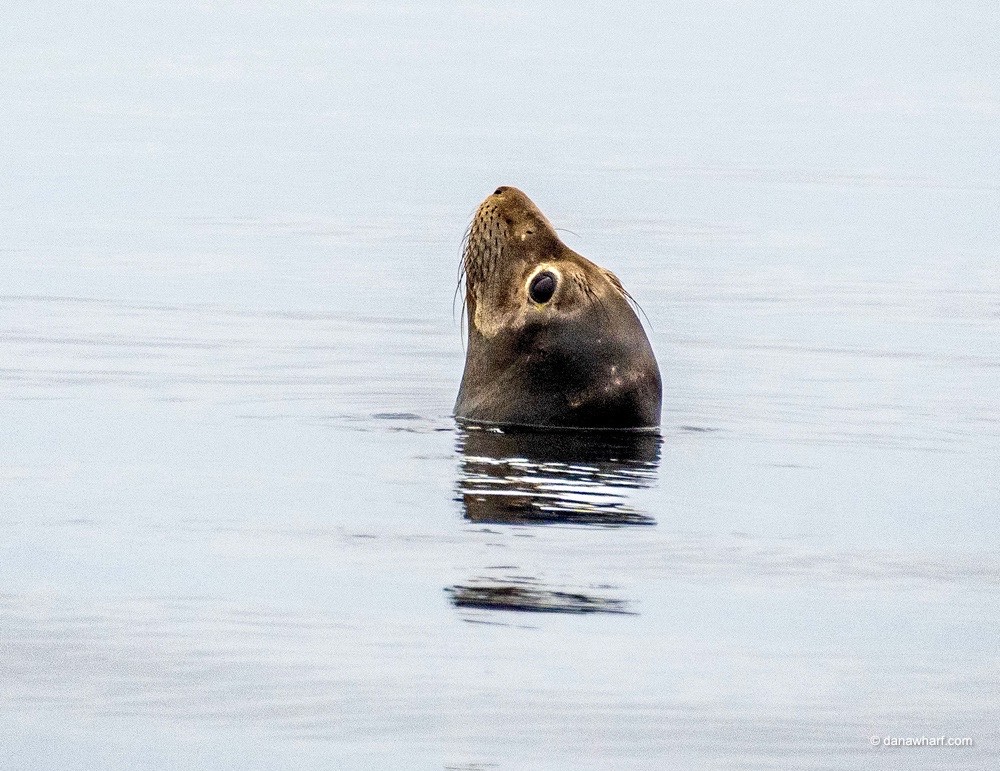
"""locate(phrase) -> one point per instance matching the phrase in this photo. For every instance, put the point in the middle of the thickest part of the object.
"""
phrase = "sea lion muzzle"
(553, 340)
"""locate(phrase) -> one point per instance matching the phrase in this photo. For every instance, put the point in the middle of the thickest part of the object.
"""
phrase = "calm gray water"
(238, 527)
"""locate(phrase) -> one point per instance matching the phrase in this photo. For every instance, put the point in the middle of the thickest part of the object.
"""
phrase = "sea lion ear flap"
(624, 292)
(615, 282)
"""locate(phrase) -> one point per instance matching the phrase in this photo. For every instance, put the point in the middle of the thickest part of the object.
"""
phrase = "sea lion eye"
(542, 287)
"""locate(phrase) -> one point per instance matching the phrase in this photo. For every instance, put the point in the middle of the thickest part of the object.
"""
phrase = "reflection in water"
(523, 477)
(523, 596)
(547, 477)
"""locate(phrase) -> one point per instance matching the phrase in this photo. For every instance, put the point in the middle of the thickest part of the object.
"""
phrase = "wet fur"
(580, 360)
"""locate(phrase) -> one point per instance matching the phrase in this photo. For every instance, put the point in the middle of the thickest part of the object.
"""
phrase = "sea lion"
(553, 340)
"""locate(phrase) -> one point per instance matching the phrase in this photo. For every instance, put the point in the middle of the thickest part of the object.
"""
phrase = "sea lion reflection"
(519, 477)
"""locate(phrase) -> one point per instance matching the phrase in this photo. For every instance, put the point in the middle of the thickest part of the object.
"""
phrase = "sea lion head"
(553, 339)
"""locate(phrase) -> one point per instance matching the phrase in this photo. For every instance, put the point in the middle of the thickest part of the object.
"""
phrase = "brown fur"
(579, 359)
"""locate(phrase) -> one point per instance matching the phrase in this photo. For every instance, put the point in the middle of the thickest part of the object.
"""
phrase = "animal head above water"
(553, 339)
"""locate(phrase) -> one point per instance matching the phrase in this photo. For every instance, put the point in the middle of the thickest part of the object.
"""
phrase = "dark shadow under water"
(519, 595)
(544, 478)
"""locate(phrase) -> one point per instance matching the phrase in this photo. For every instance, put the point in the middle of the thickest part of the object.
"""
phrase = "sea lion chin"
(553, 340)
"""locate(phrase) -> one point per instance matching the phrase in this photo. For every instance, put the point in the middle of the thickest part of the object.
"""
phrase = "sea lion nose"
(500, 190)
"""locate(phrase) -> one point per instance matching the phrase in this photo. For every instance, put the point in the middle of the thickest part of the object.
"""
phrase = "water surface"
(239, 526)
